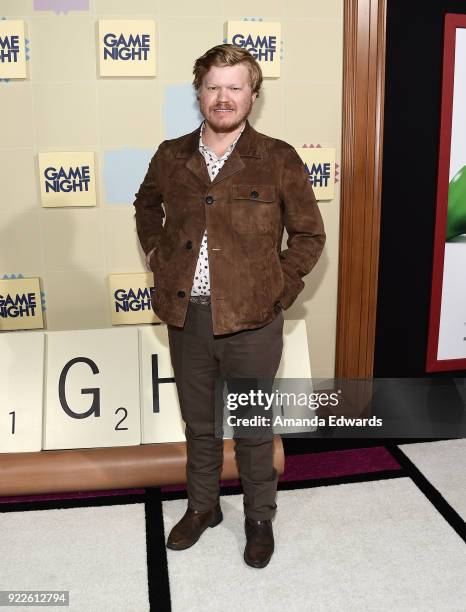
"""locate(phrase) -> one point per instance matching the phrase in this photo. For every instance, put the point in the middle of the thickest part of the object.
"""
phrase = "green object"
(456, 215)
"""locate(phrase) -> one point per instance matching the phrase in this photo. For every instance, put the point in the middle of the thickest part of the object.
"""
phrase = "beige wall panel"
(285, 11)
(267, 116)
(16, 9)
(76, 299)
(65, 115)
(16, 104)
(21, 242)
(312, 51)
(119, 8)
(73, 239)
(187, 8)
(315, 9)
(269, 10)
(123, 252)
(66, 53)
(313, 113)
(17, 195)
(121, 121)
(197, 35)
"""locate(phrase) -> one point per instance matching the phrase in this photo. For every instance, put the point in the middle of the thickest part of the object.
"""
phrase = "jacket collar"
(250, 144)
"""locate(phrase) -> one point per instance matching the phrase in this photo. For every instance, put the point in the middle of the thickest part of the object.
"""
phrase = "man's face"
(225, 97)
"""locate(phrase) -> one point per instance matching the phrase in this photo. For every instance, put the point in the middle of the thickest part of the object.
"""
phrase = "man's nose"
(222, 94)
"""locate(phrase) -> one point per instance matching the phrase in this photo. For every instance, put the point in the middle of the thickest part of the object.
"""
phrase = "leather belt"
(199, 299)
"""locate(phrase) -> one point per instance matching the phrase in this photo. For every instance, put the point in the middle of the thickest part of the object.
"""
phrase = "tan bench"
(98, 469)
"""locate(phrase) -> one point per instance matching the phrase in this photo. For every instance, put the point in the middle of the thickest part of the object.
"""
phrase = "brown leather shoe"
(259, 542)
(190, 528)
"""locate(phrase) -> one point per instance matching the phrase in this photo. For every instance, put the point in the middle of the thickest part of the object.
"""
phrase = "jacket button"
(189, 244)
(209, 200)
(254, 194)
(181, 294)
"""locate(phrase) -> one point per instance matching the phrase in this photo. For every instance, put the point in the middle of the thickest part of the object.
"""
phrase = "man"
(221, 279)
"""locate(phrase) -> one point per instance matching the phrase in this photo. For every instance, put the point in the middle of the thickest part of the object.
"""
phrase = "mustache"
(223, 107)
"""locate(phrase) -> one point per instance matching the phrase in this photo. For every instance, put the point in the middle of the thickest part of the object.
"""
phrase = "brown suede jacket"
(262, 188)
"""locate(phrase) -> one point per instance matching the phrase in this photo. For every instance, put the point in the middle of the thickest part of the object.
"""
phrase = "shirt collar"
(206, 148)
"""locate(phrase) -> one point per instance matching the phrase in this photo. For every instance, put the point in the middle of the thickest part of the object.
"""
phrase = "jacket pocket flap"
(256, 193)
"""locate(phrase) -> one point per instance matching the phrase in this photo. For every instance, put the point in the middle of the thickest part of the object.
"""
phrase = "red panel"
(452, 22)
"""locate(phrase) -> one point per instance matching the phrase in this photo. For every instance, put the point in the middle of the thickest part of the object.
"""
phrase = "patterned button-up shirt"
(201, 285)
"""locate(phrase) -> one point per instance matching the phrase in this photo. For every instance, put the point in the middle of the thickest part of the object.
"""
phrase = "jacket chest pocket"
(252, 209)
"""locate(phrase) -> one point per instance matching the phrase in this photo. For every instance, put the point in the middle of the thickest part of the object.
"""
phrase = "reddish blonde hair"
(227, 55)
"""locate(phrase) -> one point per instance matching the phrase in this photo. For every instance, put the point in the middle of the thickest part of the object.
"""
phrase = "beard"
(225, 124)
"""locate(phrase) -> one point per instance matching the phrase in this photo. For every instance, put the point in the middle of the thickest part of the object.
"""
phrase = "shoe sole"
(216, 522)
(256, 564)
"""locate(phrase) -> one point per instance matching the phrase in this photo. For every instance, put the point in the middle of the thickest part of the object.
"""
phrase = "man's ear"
(254, 96)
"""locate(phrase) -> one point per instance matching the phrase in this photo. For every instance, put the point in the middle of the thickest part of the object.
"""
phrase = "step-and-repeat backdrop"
(88, 90)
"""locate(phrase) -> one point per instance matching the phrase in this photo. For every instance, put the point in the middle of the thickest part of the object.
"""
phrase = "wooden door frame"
(361, 185)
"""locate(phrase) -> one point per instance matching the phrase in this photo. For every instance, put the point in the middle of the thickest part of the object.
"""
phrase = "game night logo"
(130, 298)
(320, 167)
(126, 300)
(67, 179)
(12, 50)
(9, 49)
(20, 304)
(127, 48)
(261, 39)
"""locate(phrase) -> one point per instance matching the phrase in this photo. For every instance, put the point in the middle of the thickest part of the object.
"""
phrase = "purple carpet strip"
(74, 495)
(329, 464)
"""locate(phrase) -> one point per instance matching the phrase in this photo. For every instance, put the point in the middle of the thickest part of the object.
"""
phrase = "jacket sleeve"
(303, 223)
(148, 204)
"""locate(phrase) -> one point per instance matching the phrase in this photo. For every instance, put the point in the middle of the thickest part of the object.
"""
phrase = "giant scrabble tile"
(92, 390)
(21, 387)
(161, 417)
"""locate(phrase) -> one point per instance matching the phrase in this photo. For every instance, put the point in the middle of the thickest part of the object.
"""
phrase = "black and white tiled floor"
(380, 528)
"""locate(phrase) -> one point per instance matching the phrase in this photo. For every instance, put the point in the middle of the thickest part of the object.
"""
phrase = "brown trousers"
(198, 358)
